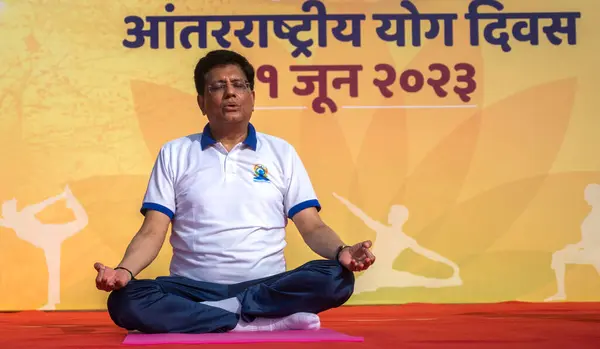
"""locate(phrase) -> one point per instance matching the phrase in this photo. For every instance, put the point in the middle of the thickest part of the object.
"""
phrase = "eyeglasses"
(238, 86)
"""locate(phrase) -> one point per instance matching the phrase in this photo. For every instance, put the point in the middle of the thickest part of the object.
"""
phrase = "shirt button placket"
(230, 165)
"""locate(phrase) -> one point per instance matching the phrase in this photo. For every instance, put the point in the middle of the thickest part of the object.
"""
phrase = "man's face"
(227, 96)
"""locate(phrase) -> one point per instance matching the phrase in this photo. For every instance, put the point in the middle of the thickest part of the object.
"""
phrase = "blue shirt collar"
(207, 139)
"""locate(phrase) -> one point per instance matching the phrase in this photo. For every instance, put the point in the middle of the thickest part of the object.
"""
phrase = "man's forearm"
(323, 241)
(142, 250)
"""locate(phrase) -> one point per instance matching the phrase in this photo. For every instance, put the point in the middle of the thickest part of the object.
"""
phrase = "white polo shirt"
(229, 210)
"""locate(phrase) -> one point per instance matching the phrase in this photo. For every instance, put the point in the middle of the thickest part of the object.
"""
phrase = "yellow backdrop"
(472, 191)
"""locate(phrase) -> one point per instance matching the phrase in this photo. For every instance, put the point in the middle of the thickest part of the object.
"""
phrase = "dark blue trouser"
(172, 304)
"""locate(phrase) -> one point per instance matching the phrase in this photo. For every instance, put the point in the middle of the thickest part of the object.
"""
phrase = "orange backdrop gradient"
(496, 188)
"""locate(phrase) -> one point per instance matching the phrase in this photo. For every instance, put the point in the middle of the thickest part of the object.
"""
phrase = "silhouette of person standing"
(48, 237)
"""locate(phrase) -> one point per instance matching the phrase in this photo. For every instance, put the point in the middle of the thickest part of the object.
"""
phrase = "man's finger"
(367, 244)
(369, 254)
(110, 283)
(102, 285)
(100, 276)
(98, 266)
(106, 281)
(118, 282)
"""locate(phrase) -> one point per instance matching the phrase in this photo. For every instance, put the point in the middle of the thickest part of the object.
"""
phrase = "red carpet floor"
(505, 325)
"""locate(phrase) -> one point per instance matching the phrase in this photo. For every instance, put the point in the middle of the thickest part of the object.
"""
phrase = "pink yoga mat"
(322, 335)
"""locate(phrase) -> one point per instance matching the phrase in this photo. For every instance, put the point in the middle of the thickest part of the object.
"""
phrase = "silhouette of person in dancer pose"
(586, 251)
(390, 242)
(48, 237)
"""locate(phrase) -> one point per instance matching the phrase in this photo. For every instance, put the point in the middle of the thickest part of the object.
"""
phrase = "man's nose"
(229, 90)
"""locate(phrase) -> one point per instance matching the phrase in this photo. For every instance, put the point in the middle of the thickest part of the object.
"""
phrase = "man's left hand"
(357, 257)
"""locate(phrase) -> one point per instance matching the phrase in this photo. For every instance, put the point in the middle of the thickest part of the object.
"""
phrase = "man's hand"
(357, 257)
(109, 279)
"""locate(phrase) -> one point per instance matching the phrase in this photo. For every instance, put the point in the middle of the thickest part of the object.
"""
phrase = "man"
(228, 193)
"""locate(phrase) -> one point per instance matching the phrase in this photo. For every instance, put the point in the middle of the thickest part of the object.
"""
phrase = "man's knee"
(337, 282)
(126, 306)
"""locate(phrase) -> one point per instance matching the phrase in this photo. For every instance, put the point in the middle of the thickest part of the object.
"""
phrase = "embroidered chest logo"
(261, 174)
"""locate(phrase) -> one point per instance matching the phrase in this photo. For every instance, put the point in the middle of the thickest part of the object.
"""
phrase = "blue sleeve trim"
(156, 207)
(303, 205)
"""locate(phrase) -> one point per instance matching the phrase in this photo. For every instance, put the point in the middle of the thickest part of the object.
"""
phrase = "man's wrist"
(339, 251)
(127, 270)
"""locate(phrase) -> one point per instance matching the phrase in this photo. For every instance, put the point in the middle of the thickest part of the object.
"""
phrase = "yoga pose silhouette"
(390, 242)
(48, 237)
(586, 251)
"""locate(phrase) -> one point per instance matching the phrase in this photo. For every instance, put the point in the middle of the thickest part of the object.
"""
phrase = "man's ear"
(200, 100)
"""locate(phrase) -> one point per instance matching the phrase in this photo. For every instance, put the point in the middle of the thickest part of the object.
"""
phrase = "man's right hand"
(109, 279)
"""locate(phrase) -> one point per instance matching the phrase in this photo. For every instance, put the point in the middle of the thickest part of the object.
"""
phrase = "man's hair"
(220, 58)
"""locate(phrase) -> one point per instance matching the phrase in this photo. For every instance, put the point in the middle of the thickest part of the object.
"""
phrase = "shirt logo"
(261, 173)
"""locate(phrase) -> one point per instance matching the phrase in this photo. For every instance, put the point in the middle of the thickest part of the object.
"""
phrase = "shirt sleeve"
(300, 193)
(160, 194)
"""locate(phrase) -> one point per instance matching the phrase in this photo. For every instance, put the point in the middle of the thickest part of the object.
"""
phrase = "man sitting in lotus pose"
(228, 192)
